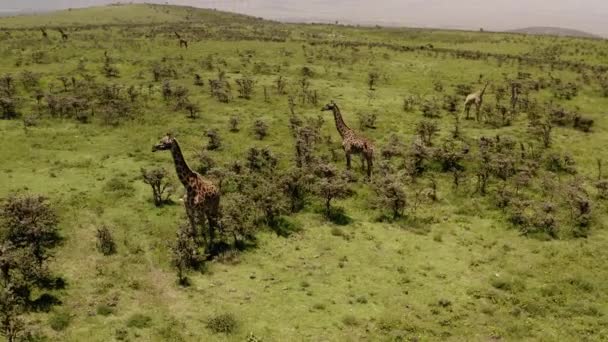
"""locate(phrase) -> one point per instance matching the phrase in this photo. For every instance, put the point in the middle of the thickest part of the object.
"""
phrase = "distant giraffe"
(475, 99)
(44, 34)
(352, 142)
(182, 42)
(202, 196)
(64, 35)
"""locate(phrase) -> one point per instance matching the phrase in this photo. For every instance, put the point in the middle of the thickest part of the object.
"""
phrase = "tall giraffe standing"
(202, 196)
(182, 42)
(64, 36)
(476, 99)
(352, 142)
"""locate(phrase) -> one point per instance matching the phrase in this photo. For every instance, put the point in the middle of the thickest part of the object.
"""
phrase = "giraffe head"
(164, 144)
(329, 107)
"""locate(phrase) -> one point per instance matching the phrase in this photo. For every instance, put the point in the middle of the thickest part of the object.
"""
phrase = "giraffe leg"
(192, 218)
(212, 213)
(348, 160)
(370, 165)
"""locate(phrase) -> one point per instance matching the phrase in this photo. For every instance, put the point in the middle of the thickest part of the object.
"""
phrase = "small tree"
(185, 255)
(30, 222)
(330, 188)
(394, 148)
(238, 217)
(162, 189)
(234, 123)
(426, 130)
(260, 129)
(372, 79)
(215, 142)
(245, 87)
(390, 195)
(105, 241)
(191, 108)
(281, 84)
(296, 185)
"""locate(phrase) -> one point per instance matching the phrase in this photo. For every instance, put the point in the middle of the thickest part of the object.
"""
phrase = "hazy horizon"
(587, 15)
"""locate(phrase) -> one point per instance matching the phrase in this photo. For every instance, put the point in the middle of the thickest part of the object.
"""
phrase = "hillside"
(478, 223)
(555, 31)
(124, 14)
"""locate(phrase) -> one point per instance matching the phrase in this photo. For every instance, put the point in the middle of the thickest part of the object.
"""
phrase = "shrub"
(245, 87)
(105, 241)
(119, 187)
(59, 321)
(223, 323)
(367, 120)
(104, 310)
(261, 160)
(185, 254)
(205, 162)
(430, 109)
(582, 123)
(394, 148)
(215, 142)
(238, 217)
(234, 123)
(139, 321)
(555, 162)
(372, 79)
(296, 184)
(162, 189)
(260, 129)
(221, 90)
(426, 130)
(602, 188)
(390, 195)
(350, 320)
(332, 188)
(30, 222)
(8, 107)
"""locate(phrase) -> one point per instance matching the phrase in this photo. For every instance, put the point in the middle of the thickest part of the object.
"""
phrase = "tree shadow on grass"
(44, 303)
(338, 216)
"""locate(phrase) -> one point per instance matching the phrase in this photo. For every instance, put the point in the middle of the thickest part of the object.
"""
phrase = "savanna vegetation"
(486, 226)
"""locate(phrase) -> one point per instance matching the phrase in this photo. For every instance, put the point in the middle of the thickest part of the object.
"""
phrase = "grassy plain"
(456, 270)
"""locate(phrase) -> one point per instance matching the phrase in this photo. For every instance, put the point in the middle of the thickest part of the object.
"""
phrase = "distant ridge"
(555, 31)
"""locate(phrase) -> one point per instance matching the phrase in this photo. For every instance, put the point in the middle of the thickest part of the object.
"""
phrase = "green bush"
(119, 187)
(59, 321)
(223, 323)
(139, 321)
(104, 310)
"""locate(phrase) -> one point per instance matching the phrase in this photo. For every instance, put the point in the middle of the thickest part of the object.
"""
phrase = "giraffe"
(476, 99)
(202, 198)
(182, 42)
(64, 35)
(352, 143)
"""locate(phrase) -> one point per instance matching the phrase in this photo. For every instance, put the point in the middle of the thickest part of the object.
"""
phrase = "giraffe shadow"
(221, 249)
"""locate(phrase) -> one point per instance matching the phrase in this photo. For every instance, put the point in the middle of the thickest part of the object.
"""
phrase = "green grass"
(456, 270)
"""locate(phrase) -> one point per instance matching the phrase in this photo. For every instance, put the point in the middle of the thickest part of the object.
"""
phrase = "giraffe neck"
(184, 173)
(483, 90)
(340, 125)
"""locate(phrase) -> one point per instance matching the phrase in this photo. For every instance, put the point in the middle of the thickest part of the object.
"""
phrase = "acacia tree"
(29, 230)
(390, 195)
(331, 186)
(185, 254)
(162, 189)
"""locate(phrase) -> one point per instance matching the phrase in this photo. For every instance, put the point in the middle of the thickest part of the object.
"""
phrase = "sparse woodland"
(481, 220)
